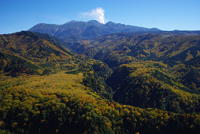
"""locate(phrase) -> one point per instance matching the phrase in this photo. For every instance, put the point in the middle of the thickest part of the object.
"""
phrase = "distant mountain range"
(86, 30)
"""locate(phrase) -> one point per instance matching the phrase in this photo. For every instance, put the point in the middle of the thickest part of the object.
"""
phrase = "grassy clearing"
(59, 81)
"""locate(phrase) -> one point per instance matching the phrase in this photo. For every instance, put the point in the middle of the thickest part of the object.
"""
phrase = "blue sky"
(17, 15)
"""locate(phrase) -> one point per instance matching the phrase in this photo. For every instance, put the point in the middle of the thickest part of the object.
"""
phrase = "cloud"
(97, 14)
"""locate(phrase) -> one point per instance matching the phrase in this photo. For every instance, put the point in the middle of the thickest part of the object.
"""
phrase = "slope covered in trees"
(45, 88)
(121, 48)
(59, 103)
(153, 84)
(31, 53)
(180, 51)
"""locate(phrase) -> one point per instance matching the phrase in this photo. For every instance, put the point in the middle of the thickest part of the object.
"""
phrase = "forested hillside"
(116, 49)
(120, 84)
(153, 84)
(161, 69)
(60, 103)
(31, 53)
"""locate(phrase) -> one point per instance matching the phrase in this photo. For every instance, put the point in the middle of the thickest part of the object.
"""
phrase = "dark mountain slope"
(25, 50)
(180, 53)
(76, 30)
(153, 84)
(15, 65)
(171, 48)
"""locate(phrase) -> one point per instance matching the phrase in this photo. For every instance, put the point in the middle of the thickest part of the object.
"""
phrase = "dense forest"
(121, 83)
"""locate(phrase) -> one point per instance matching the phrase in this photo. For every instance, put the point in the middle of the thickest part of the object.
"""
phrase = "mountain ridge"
(86, 30)
(31, 53)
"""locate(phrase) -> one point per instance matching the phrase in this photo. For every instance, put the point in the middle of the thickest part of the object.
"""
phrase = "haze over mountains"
(75, 30)
(86, 30)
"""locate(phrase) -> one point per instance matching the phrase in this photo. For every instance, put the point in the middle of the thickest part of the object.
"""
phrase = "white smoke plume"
(97, 14)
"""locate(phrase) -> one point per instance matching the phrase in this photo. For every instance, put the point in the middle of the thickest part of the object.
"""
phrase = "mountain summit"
(86, 30)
